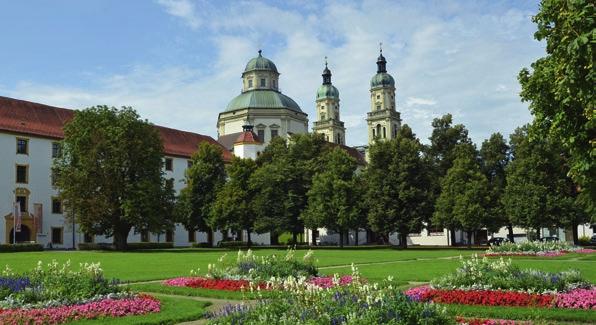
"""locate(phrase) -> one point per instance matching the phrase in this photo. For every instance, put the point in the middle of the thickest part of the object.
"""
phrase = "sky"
(179, 62)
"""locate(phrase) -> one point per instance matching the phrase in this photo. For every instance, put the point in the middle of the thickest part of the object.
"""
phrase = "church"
(30, 135)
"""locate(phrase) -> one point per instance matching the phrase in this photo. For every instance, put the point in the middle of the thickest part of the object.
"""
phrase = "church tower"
(328, 122)
(383, 119)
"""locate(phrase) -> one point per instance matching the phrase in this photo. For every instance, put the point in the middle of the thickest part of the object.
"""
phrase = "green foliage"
(204, 179)
(232, 208)
(6, 248)
(465, 195)
(532, 246)
(262, 268)
(333, 200)
(538, 191)
(110, 173)
(560, 87)
(494, 158)
(486, 274)
(399, 194)
(584, 240)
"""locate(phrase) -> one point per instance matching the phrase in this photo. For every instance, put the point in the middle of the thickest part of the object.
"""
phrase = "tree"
(538, 192)
(204, 178)
(232, 208)
(110, 174)
(399, 196)
(560, 88)
(494, 157)
(465, 194)
(333, 200)
(441, 153)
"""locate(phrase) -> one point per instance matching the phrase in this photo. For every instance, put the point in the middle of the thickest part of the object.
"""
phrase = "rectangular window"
(145, 236)
(263, 83)
(169, 164)
(191, 236)
(274, 133)
(88, 238)
(249, 83)
(378, 107)
(56, 149)
(22, 176)
(169, 236)
(22, 201)
(53, 178)
(261, 135)
(56, 206)
(57, 237)
(22, 146)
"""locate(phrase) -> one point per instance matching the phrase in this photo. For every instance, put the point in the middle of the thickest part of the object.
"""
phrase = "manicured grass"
(163, 264)
(173, 311)
(523, 313)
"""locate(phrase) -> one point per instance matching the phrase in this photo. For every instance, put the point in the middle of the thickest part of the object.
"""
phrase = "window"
(22, 146)
(22, 176)
(274, 84)
(53, 178)
(22, 201)
(88, 238)
(57, 237)
(56, 149)
(56, 206)
(384, 133)
(378, 96)
(373, 133)
(144, 236)
(378, 107)
(169, 236)
(435, 230)
(191, 236)
(249, 83)
(169, 164)
(274, 133)
(261, 135)
(323, 116)
(263, 83)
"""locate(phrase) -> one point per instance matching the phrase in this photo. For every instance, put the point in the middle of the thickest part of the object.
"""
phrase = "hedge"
(130, 246)
(20, 247)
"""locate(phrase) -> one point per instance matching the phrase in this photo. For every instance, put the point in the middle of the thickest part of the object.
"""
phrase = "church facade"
(30, 135)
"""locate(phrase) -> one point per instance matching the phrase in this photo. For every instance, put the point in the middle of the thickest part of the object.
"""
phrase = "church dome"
(263, 98)
(382, 79)
(260, 63)
(327, 91)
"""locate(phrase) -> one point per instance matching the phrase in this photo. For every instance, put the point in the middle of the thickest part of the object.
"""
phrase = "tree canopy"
(110, 174)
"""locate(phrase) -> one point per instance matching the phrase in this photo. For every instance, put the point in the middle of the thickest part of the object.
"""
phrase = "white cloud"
(183, 9)
(463, 58)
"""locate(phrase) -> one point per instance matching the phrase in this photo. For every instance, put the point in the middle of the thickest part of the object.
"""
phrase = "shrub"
(232, 244)
(532, 247)
(20, 248)
(131, 246)
(96, 246)
(584, 240)
(201, 245)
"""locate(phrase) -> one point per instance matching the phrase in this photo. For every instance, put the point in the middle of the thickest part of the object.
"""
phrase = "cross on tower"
(381, 46)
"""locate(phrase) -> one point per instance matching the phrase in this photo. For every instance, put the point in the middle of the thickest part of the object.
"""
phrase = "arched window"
(373, 132)
(339, 138)
(384, 133)
(378, 130)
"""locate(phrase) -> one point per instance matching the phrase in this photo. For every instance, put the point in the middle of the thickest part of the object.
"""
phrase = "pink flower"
(327, 281)
(577, 299)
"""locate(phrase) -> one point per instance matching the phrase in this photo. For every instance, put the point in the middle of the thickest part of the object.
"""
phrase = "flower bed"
(141, 304)
(329, 281)
(483, 321)
(536, 248)
(214, 284)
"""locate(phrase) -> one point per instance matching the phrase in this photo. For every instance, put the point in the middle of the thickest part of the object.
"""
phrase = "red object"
(214, 284)
(488, 298)
(24, 117)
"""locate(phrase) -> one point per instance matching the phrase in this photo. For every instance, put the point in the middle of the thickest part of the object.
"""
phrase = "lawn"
(411, 265)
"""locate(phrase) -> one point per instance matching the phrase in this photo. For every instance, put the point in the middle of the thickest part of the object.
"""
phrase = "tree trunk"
(452, 234)
(575, 234)
(356, 237)
(121, 239)
(210, 237)
(469, 239)
(510, 228)
(295, 237)
(273, 238)
(313, 237)
(403, 240)
(341, 239)
(537, 233)
(248, 239)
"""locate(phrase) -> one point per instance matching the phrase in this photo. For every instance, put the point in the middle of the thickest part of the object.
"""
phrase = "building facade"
(328, 120)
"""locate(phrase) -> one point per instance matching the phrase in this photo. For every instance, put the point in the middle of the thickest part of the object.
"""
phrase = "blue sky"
(178, 62)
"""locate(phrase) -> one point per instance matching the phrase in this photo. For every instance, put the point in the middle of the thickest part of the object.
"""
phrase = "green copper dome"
(260, 63)
(382, 79)
(263, 98)
(327, 91)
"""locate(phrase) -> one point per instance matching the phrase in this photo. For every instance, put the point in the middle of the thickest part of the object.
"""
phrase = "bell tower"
(328, 121)
(383, 119)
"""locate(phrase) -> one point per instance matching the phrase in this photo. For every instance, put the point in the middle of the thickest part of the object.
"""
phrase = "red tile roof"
(20, 116)
(352, 152)
(247, 137)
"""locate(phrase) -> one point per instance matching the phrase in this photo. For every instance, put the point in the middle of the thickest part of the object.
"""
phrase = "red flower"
(214, 284)
(488, 298)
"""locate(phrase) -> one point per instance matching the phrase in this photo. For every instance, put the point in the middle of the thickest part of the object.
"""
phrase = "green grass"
(173, 310)
(190, 292)
(523, 313)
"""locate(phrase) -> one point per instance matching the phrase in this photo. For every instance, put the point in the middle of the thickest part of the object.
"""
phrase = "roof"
(327, 91)
(247, 137)
(263, 98)
(24, 117)
(382, 79)
(351, 151)
(260, 63)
